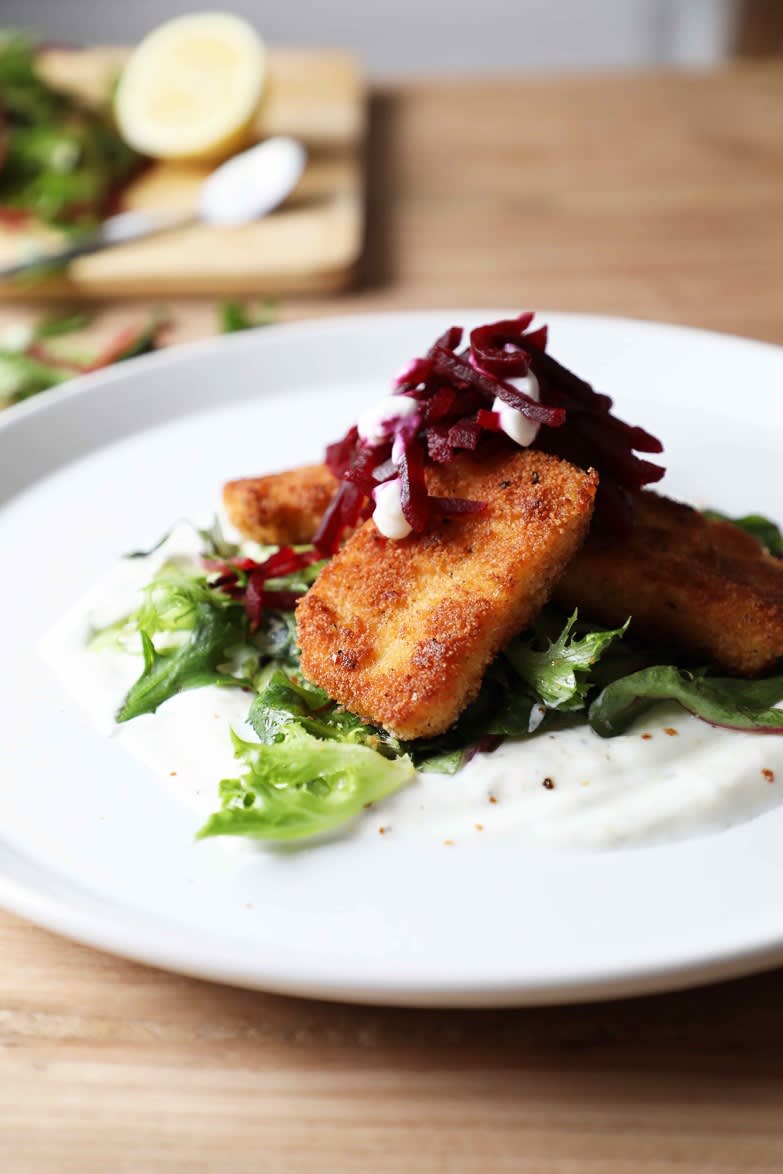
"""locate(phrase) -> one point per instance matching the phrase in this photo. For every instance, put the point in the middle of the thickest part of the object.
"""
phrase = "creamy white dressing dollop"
(377, 422)
(521, 430)
(388, 515)
(671, 778)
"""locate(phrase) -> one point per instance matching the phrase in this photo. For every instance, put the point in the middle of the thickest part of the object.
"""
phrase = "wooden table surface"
(650, 196)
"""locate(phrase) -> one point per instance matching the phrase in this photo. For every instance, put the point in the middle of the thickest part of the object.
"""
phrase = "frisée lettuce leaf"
(299, 785)
(284, 701)
(559, 674)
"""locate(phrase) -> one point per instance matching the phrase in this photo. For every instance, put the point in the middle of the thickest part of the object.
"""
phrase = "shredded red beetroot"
(246, 579)
(413, 486)
(455, 394)
(594, 438)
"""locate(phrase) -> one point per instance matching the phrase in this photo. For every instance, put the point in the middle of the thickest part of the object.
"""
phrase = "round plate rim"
(176, 949)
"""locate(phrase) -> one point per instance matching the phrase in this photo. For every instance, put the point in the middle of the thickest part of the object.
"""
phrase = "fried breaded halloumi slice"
(401, 632)
(692, 584)
(281, 508)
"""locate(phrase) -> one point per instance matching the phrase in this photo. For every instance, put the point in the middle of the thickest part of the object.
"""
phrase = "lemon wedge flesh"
(192, 88)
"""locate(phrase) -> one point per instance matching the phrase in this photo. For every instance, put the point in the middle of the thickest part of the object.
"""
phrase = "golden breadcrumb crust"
(401, 632)
(689, 583)
(704, 587)
(282, 508)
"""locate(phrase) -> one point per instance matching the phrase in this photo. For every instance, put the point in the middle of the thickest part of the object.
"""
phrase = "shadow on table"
(713, 1044)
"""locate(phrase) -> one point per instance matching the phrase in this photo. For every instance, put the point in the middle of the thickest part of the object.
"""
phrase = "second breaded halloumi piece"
(281, 508)
(401, 633)
(690, 583)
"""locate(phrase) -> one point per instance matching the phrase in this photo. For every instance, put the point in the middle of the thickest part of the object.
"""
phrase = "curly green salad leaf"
(767, 532)
(559, 675)
(284, 701)
(301, 785)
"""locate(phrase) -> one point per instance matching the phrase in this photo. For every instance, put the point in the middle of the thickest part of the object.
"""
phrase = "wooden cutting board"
(310, 245)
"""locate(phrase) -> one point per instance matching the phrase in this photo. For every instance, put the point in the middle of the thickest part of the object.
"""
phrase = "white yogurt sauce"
(376, 423)
(514, 424)
(388, 515)
(569, 790)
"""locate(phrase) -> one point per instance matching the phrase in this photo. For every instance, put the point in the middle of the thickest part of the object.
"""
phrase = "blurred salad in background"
(35, 356)
(62, 162)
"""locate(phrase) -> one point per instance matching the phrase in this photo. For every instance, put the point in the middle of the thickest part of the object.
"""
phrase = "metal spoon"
(243, 189)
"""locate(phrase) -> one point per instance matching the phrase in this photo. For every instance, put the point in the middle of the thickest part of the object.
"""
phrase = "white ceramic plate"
(93, 846)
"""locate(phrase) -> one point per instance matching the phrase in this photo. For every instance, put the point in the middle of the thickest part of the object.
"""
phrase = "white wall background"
(413, 36)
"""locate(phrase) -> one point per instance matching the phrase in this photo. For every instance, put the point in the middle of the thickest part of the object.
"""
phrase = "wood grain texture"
(652, 196)
(312, 243)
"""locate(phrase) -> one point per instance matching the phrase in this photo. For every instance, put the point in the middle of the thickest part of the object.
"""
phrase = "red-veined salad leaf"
(722, 701)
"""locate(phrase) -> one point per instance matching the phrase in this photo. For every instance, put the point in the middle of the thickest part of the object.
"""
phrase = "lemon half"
(192, 88)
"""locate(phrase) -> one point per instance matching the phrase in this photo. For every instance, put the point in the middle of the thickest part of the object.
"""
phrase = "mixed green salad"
(37, 357)
(61, 161)
(228, 619)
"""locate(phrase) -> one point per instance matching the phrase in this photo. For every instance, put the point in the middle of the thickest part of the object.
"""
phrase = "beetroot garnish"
(413, 486)
(538, 338)
(538, 412)
(451, 367)
(342, 514)
(338, 455)
(254, 598)
(417, 371)
(465, 434)
(438, 448)
(281, 600)
(246, 579)
(489, 421)
(362, 467)
(449, 340)
(497, 347)
(455, 393)
(352, 506)
(441, 404)
(235, 564)
(595, 438)
(329, 532)
(229, 579)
